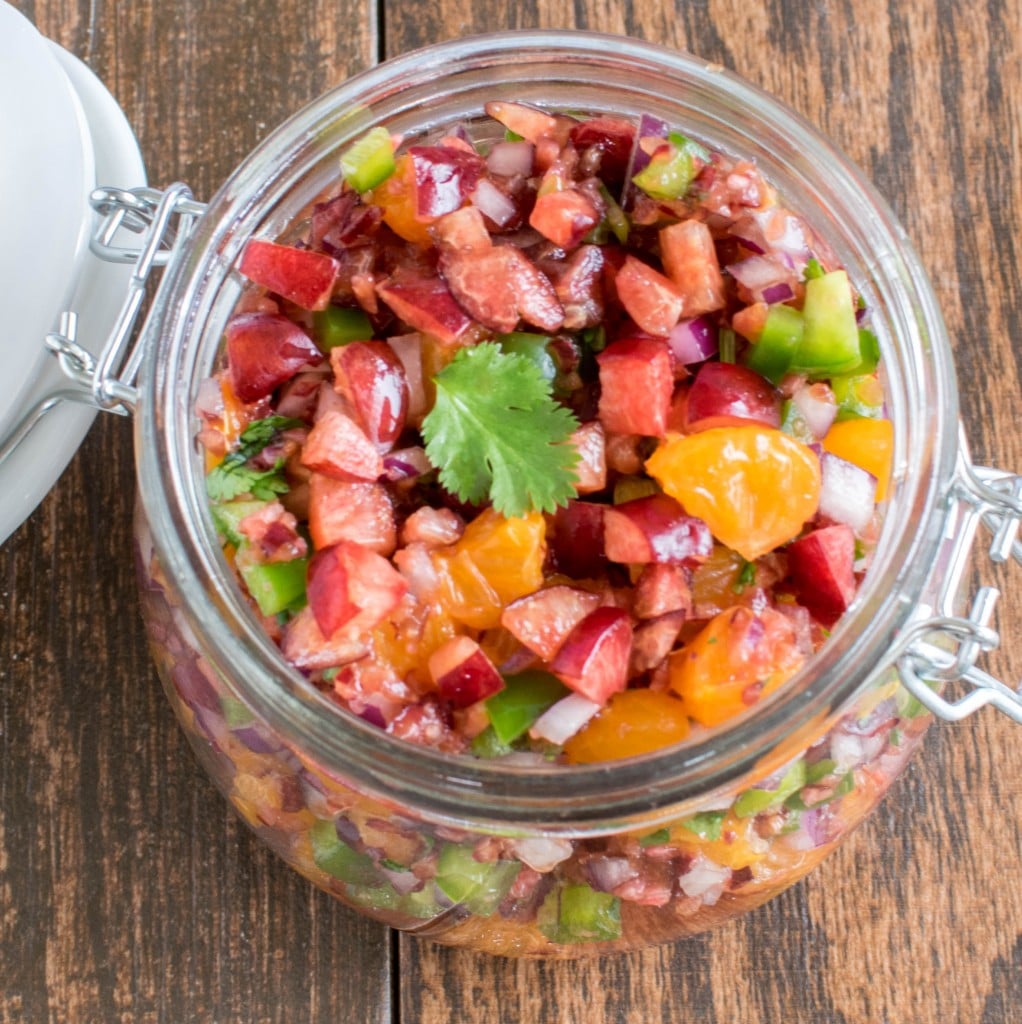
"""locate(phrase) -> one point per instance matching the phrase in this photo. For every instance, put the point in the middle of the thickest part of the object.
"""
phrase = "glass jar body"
(517, 859)
(518, 890)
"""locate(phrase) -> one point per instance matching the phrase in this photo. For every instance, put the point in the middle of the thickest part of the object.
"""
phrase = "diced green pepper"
(236, 714)
(276, 586)
(830, 341)
(336, 326)
(369, 160)
(671, 170)
(658, 838)
(772, 355)
(615, 218)
(755, 801)
(334, 856)
(477, 886)
(576, 913)
(227, 517)
(524, 698)
(859, 396)
(820, 770)
(706, 824)
(813, 270)
(487, 745)
(534, 348)
(845, 785)
(422, 904)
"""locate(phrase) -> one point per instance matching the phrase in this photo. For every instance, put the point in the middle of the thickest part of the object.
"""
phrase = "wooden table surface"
(129, 892)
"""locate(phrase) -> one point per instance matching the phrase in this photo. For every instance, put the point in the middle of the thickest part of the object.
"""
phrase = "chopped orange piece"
(634, 722)
(869, 443)
(396, 196)
(753, 486)
(739, 657)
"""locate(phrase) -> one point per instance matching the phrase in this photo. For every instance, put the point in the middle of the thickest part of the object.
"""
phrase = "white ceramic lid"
(62, 134)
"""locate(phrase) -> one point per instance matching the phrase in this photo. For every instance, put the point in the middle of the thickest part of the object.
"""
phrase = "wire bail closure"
(107, 381)
(945, 648)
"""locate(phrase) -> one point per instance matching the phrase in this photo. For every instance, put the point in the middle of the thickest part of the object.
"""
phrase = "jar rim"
(191, 308)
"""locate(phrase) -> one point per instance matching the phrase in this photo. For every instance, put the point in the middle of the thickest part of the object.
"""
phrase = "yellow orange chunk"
(754, 486)
(633, 722)
(738, 658)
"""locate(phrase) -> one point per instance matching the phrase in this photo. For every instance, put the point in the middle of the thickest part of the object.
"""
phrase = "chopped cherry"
(339, 510)
(372, 378)
(263, 351)
(425, 303)
(690, 260)
(593, 660)
(821, 565)
(462, 672)
(348, 580)
(726, 395)
(543, 620)
(649, 298)
(636, 382)
(338, 447)
(444, 177)
(577, 541)
(655, 529)
(303, 276)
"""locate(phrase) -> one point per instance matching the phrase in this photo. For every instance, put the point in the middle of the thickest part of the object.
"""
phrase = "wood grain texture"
(127, 890)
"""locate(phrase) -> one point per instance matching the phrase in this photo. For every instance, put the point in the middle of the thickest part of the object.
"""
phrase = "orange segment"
(753, 486)
(396, 196)
(739, 657)
(496, 561)
(634, 722)
(868, 443)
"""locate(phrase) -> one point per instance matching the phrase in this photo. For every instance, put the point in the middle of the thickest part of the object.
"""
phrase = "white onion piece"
(559, 723)
(847, 492)
(489, 200)
(209, 402)
(406, 463)
(511, 158)
(818, 407)
(704, 879)
(542, 855)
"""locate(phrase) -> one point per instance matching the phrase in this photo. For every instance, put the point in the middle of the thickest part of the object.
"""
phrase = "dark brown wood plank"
(128, 891)
(917, 918)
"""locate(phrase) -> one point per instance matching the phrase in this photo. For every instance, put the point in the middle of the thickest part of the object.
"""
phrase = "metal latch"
(164, 222)
(945, 648)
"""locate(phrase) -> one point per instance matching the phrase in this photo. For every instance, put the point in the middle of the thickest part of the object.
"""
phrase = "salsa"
(560, 439)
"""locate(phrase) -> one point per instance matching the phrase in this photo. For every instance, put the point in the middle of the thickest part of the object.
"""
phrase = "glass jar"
(520, 859)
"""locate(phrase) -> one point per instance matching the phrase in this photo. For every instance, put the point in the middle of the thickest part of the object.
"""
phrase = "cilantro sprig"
(234, 477)
(496, 432)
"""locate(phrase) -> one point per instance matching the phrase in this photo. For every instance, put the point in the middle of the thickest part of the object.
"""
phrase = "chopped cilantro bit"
(726, 345)
(234, 477)
(746, 577)
(497, 433)
(392, 865)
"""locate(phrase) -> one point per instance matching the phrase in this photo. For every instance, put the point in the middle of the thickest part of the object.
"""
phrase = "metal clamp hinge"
(164, 221)
(941, 653)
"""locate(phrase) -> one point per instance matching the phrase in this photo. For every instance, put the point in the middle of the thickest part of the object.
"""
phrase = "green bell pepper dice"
(830, 342)
(524, 698)
(276, 586)
(336, 326)
(772, 355)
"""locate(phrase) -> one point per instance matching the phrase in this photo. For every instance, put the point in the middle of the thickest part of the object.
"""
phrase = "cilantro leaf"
(234, 477)
(495, 431)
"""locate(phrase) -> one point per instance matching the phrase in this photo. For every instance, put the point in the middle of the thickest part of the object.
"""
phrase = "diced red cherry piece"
(543, 620)
(655, 529)
(593, 660)
(613, 137)
(564, 217)
(339, 511)
(499, 286)
(648, 297)
(577, 541)
(348, 580)
(372, 378)
(636, 382)
(726, 395)
(661, 589)
(263, 351)
(462, 672)
(821, 565)
(306, 647)
(530, 123)
(590, 443)
(444, 177)
(339, 447)
(578, 283)
(690, 260)
(303, 276)
(425, 303)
